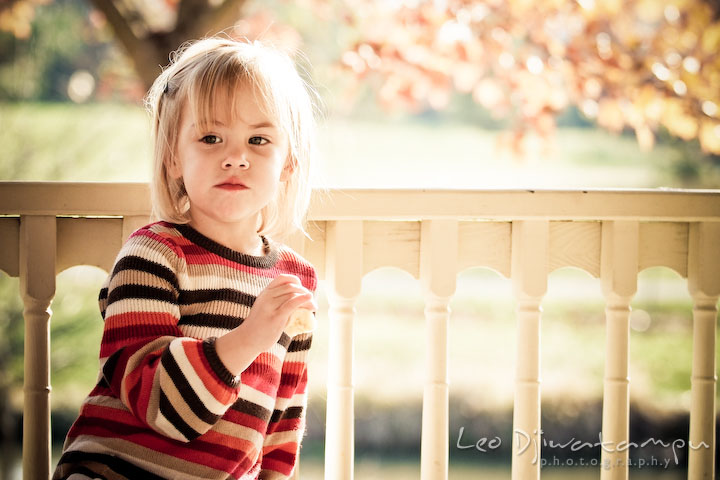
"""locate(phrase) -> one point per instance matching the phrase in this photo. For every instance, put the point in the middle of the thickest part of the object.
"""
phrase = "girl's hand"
(271, 311)
(265, 323)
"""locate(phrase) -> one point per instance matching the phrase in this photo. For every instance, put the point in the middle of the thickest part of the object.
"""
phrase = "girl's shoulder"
(291, 262)
(163, 236)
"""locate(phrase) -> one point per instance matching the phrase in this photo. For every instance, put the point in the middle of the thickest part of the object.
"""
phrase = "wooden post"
(618, 271)
(438, 263)
(37, 288)
(530, 243)
(344, 276)
(704, 286)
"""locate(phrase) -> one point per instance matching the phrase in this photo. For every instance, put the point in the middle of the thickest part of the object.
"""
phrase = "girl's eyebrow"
(254, 125)
(263, 125)
(212, 122)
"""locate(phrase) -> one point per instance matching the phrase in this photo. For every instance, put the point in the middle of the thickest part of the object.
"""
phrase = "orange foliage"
(633, 64)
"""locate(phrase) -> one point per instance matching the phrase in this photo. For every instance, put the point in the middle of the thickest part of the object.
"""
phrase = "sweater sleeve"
(287, 425)
(174, 384)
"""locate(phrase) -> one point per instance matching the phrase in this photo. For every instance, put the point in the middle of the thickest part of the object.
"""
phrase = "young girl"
(199, 377)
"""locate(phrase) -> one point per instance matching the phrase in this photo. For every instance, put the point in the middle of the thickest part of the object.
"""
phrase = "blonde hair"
(206, 74)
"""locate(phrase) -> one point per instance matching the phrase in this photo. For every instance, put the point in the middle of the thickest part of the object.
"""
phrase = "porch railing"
(524, 235)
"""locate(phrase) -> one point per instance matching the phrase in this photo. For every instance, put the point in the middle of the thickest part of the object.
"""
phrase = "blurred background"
(415, 94)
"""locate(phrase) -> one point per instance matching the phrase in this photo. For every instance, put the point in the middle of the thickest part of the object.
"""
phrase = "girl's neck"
(241, 237)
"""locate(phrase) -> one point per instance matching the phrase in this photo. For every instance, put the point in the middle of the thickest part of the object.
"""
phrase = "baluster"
(344, 269)
(704, 286)
(37, 288)
(530, 241)
(438, 271)
(618, 270)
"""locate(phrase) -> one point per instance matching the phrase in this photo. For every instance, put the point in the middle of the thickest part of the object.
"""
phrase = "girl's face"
(232, 169)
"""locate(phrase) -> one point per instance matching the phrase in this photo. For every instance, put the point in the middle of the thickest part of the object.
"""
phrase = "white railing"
(524, 235)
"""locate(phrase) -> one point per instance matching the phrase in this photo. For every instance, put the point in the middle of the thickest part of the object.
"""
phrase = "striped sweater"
(165, 406)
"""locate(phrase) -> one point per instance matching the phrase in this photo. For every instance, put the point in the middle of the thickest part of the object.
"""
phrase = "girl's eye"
(257, 141)
(211, 139)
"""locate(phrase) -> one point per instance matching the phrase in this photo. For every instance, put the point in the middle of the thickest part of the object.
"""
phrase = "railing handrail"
(133, 198)
(524, 235)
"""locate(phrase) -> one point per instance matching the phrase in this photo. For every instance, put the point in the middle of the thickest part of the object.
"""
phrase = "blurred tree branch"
(150, 48)
(148, 42)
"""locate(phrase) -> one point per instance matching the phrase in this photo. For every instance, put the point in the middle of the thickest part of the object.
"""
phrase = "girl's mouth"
(232, 185)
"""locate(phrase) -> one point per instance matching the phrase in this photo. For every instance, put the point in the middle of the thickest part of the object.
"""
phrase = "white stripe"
(222, 279)
(139, 247)
(257, 397)
(194, 331)
(164, 426)
(141, 305)
(298, 356)
(287, 436)
(188, 370)
(239, 431)
(297, 400)
(105, 401)
(192, 420)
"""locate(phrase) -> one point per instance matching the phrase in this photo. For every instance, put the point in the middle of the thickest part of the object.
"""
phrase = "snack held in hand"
(301, 320)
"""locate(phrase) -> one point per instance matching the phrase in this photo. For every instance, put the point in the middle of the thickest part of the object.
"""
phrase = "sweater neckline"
(268, 260)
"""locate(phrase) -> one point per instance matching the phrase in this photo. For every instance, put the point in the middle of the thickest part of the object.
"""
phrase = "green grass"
(385, 154)
(94, 142)
(111, 142)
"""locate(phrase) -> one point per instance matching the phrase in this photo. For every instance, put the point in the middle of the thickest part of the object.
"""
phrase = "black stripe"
(253, 409)
(102, 301)
(290, 412)
(188, 297)
(284, 340)
(133, 262)
(204, 243)
(116, 464)
(211, 320)
(169, 412)
(188, 394)
(83, 470)
(299, 344)
(122, 292)
(232, 381)
(109, 366)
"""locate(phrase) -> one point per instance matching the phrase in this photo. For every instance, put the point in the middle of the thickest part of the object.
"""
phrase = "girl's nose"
(238, 160)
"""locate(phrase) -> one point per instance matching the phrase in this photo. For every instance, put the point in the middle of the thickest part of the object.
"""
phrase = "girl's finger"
(283, 279)
(295, 302)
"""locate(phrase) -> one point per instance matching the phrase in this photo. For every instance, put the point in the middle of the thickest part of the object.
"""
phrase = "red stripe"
(285, 425)
(215, 450)
(246, 420)
(116, 338)
(218, 389)
(280, 458)
(140, 382)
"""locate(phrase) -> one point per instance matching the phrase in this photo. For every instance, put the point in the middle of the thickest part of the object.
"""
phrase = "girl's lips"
(231, 186)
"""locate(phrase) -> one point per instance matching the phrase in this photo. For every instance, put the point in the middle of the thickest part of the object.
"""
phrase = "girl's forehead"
(242, 103)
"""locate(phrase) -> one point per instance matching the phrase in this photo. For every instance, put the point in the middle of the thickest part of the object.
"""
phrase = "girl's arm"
(174, 384)
(287, 426)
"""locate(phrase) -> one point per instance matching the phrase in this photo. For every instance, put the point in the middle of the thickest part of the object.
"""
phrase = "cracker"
(301, 320)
